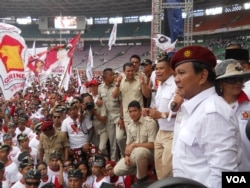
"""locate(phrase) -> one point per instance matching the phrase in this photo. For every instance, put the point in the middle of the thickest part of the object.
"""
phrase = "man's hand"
(154, 114)
(129, 148)
(118, 80)
(178, 100)
(99, 102)
(121, 124)
(127, 160)
(145, 111)
(85, 147)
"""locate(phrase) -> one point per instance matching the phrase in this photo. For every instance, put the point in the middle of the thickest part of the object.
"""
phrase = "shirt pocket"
(133, 136)
(103, 95)
(143, 137)
(190, 147)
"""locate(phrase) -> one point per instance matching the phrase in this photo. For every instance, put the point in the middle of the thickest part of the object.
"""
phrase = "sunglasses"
(58, 117)
(233, 80)
(32, 183)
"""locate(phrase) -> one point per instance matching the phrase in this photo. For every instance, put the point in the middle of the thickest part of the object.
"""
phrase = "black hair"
(198, 67)
(105, 71)
(135, 56)
(41, 163)
(78, 98)
(87, 166)
(127, 65)
(85, 95)
(49, 185)
(135, 104)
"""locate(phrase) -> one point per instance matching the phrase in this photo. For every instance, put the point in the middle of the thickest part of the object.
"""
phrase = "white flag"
(78, 78)
(164, 43)
(112, 37)
(90, 65)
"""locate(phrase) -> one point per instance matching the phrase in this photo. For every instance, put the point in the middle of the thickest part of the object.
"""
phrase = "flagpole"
(60, 29)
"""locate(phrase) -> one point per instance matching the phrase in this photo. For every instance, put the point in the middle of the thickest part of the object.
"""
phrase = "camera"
(90, 106)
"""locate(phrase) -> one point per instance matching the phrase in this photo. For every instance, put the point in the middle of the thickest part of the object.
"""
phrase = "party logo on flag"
(12, 51)
(10, 54)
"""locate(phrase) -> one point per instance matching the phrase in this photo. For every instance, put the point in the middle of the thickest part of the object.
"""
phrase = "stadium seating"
(135, 38)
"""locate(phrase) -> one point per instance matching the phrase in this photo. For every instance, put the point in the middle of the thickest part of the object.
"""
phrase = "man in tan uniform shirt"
(139, 152)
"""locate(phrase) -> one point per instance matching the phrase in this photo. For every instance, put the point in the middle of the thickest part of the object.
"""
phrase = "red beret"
(193, 53)
(112, 163)
(47, 125)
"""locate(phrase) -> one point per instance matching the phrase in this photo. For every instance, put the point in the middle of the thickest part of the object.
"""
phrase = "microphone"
(173, 105)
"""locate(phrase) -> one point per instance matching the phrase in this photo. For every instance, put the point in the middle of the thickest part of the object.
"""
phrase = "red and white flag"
(53, 61)
(68, 68)
(112, 37)
(12, 55)
(90, 65)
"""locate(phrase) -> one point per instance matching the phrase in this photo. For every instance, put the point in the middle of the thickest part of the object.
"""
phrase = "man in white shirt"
(160, 112)
(11, 169)
(206, 136)
(77, 131)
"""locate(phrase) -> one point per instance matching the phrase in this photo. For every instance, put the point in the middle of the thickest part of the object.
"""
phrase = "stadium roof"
(90, 8)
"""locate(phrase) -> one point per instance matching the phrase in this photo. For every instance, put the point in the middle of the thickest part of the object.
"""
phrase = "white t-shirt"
(11, 173)
(77, 137)
(14, 151)
(34, 142)
(5, 183)
(26, 131)
(89, 181)
(51, 179)
(18, 184)
(98, 184)
(52, 173)
(33, 153)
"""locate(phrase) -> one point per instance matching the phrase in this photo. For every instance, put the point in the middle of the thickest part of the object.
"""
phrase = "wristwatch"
(163, 115)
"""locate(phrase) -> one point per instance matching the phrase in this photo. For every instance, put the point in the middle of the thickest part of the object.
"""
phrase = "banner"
(112, 37)
(90, 65)
(174, 23)
(12, 56)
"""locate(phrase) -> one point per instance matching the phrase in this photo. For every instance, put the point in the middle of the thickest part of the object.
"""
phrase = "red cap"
(47, 125)
(92, 83)
(193, 53)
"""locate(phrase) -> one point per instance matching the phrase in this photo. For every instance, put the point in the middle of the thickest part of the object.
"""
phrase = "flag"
(90, 65)
(71, 46)
(53, 61)
(164, 43)
(34, 62)
(78, 78)
(112, 37)
(12, 55)
(66, 76)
